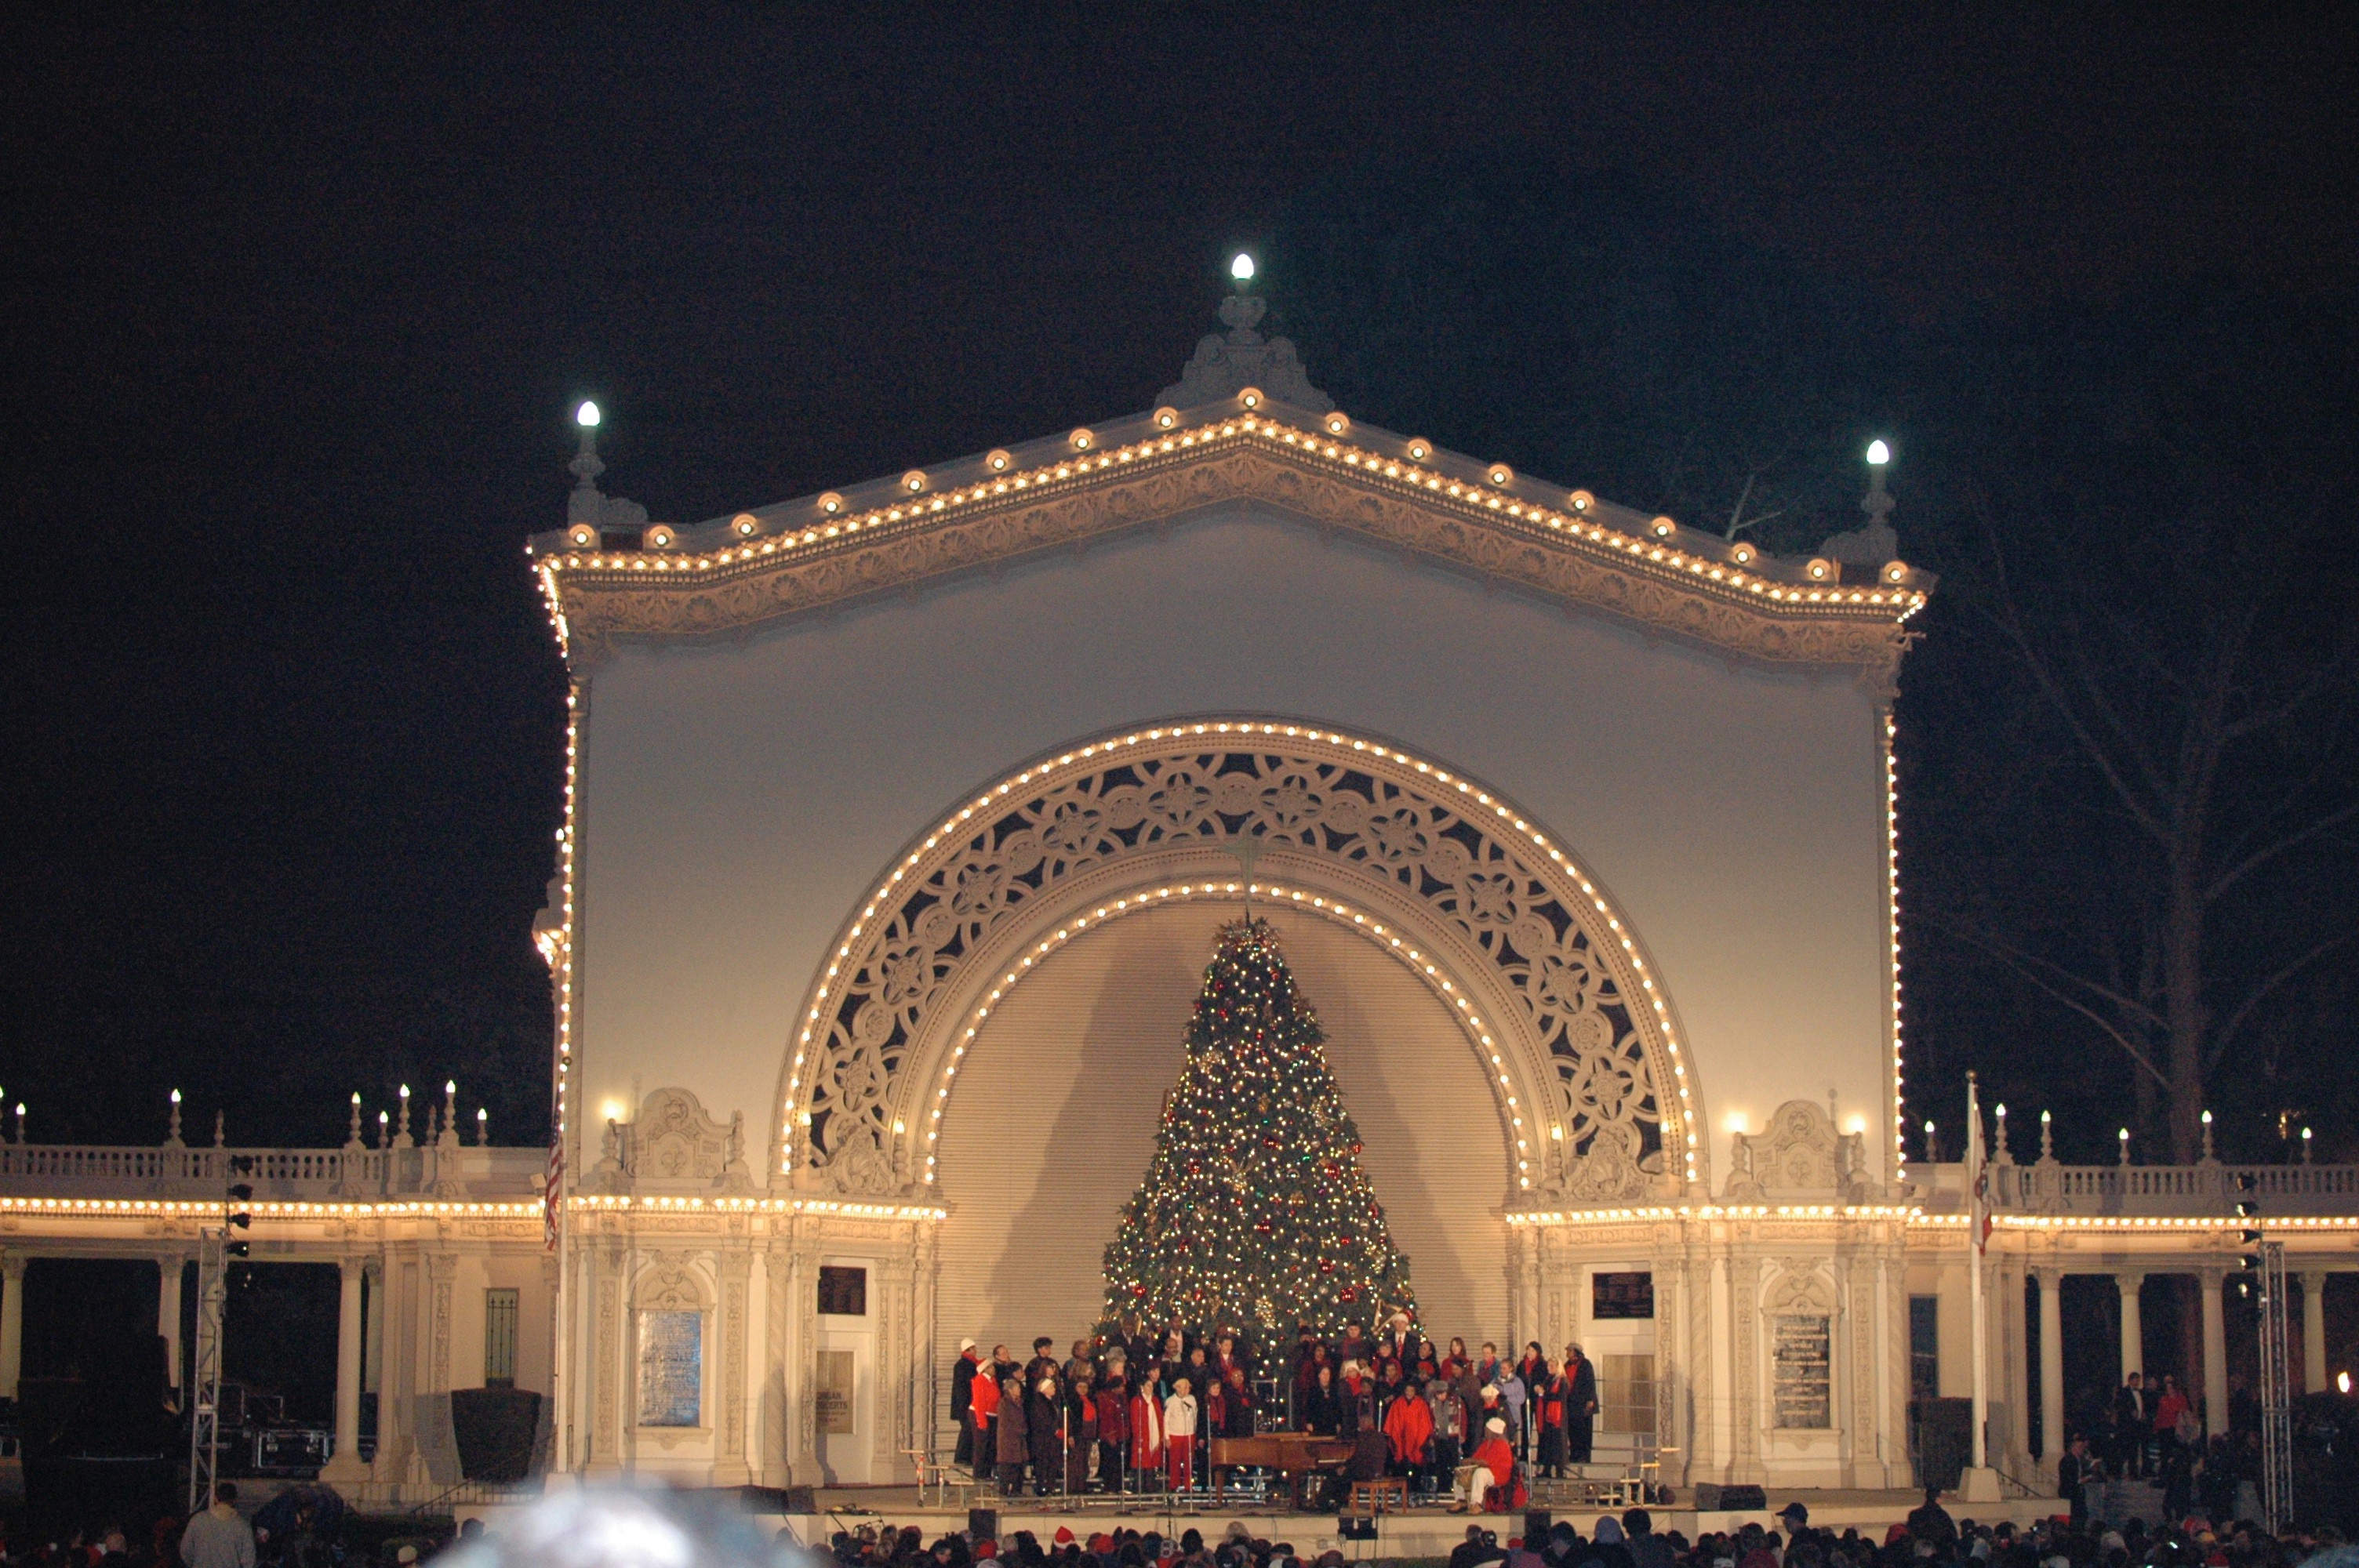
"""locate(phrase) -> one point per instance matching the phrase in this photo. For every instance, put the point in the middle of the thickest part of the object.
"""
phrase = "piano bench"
(1386, 1494)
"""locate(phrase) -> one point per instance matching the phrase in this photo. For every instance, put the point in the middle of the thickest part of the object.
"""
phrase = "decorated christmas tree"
(1255, 1214)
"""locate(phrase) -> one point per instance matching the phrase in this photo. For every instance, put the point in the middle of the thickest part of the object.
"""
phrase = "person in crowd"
(962, 1400)
(1179, 1435)
(1236, 1403)
(1493, 1466)
(1081, 1431)
(1043, 1363)
(983, 1405)
(1549, 1394)
(1931, 1525)
(1580, 1405)
(1113, 1418)
(1511, 1398)
(1145, 1454)
(1322, 1410)
(1012, 1442)
(1449, 1442)
(2071, 1479)
(1486, 1364)
(1457, 1361)
(219, 1537)
(2131, 1427)
(1530, 1369)
(1044, 1417)
(1408, 1429)
(1357, 1393)
(1400, 1341)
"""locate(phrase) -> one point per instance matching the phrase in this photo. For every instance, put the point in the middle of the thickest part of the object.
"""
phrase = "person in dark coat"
(1013, 1448)
(1113, 1424)
(1321, 1411)
(962, 1400)
(1580, 1405)
(1080, 1435)
(1044, 1416)
(1236, 1404)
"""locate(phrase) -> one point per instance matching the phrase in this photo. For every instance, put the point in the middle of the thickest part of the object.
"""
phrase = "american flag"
(553, 1194)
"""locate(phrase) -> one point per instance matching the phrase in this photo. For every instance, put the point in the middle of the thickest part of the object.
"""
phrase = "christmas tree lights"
(1255, 1215)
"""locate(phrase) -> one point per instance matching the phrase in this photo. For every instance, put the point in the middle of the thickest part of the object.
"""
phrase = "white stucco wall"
(739, 798)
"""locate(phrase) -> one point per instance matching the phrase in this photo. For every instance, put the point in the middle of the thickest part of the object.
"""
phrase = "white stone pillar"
(2215, 1350)
(2016, 1356)
(345, 1464)
(12, 1322)
(2313, 1333)
(168, 1316)
(2133, 1330)
(2051, 1368)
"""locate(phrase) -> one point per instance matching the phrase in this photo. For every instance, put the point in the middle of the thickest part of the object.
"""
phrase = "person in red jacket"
(1146, 1434)
(983, 1397)
(1494, 1465)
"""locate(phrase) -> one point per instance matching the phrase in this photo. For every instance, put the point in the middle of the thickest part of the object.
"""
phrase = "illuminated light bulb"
(586, 415)
(1878, 454)
(1241, 267)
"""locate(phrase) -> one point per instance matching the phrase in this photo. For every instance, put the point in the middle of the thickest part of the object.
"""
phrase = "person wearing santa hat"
(1494, 1465)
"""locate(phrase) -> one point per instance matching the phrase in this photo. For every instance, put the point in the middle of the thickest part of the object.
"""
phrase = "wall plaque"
(832, 1392)
(671, 1367)
(1621, 1296)
(842, 1292)
(1801, 1390)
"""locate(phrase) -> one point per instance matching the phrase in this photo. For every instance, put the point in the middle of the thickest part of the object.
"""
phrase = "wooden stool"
(1386, 1494)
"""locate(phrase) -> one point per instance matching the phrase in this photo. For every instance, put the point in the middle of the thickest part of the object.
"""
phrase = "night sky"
(299, 305)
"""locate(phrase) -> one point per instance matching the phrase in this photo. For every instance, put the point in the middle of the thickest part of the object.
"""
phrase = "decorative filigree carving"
(1551, 949)
(1802, 1287)
(603, 604)
(669, 1289)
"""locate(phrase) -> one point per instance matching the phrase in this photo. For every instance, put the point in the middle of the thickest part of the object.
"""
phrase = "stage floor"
(1420, 1534)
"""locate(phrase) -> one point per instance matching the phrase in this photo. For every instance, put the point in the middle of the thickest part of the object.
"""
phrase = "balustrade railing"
(2205, 1188)
(293, 1176)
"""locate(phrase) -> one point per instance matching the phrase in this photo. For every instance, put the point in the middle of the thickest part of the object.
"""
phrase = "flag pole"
(1980, 1484)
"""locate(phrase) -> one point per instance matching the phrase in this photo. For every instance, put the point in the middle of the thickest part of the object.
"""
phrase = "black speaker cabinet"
(1350, 1529)
(1536, 1527)
(982, 1524)
(1729, 1500)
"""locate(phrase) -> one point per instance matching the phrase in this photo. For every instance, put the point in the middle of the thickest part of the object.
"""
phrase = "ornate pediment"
(725, 576)
(1800, 1158)
(674, 1146)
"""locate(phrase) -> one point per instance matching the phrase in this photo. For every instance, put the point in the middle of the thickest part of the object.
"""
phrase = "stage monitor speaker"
(982, 1524)
(1537, 1522)
(1351, 1529)
(1729, 1500)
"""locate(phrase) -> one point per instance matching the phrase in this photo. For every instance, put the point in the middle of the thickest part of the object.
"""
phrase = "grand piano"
(1297, 1455)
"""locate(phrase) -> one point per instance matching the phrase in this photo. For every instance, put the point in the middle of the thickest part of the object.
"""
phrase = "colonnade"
(2213, 1284)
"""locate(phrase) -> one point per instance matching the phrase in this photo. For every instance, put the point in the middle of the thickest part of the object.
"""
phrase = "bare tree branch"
(2022, 965)
(2260, 993)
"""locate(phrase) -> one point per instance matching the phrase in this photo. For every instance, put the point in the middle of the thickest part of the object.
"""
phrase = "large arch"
(1558, 992)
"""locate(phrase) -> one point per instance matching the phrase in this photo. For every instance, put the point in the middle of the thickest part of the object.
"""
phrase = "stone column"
(2133, 1331)
(2313, 1333)
(168, 1316)
(2051, 1368)
(12, 1322)
(2015, 1354)
(344, 1465)
(2216, 1351)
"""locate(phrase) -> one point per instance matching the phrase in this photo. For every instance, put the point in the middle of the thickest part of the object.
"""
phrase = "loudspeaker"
(982, 1524)
(1728, 1499)
(1351, 1529)
(1536, 1527)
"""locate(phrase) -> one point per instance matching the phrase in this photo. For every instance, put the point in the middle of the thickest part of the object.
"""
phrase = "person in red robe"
(1146, 1434)
(1408, 1427)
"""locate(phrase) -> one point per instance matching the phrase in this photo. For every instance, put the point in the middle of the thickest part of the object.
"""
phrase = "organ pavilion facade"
(900, 819)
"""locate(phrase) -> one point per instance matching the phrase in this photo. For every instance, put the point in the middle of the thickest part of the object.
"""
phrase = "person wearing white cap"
(963, 1399)
(1493, 1464)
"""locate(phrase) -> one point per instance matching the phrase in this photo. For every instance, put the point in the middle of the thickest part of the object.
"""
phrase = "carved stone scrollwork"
(1439, 848)
(674, 1143)
(1800, 1155)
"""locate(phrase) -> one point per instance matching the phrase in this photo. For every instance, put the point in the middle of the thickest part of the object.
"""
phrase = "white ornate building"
(898, 822)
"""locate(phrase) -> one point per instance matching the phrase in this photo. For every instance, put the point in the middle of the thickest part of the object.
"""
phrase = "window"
(1621, 1296)
(842, 1292)
(1626, 1393)
(499, 1339)
(1924, 1348)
